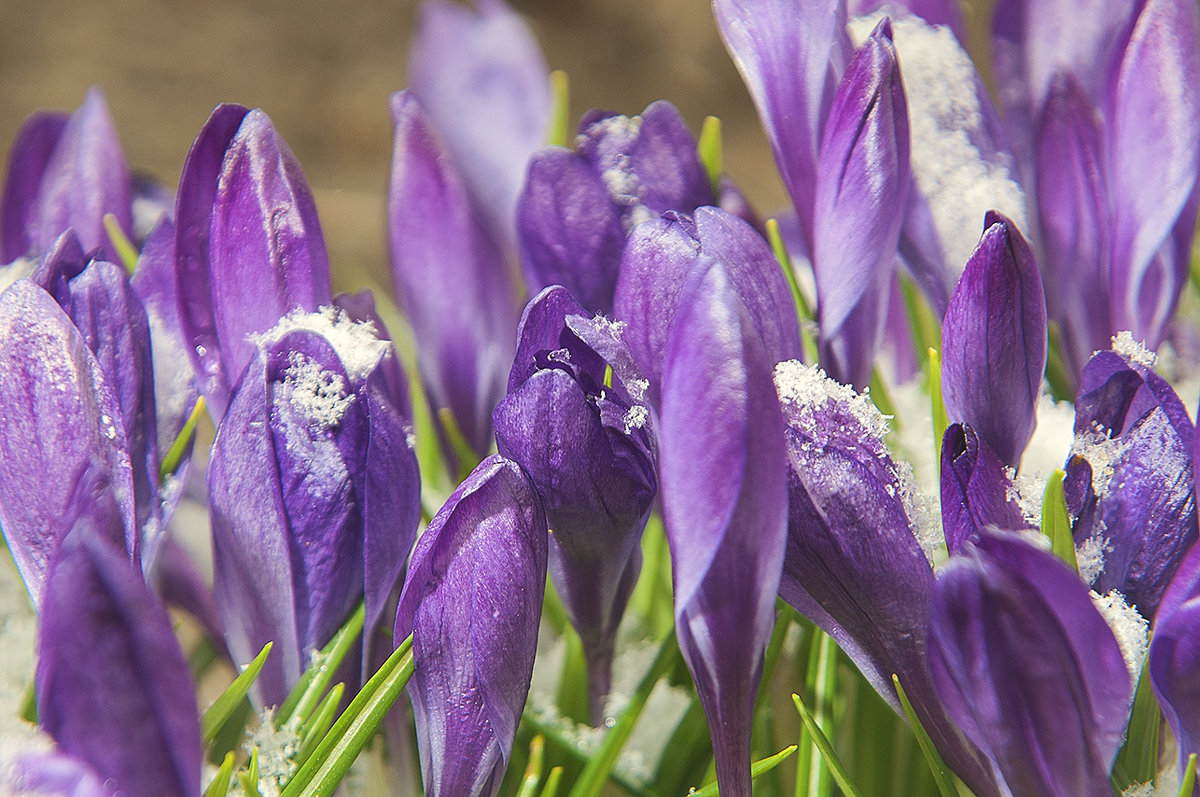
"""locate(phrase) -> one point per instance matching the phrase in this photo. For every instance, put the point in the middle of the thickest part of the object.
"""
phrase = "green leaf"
(553, 731)
(822, 742)
(332, 759)
(219, 786)
(249, 778)
(174, 456)
(571, 697)
(941, 775)
(1056, 521)
(652, 597)
(552, 781)
(533, 770)
(811, 777)
(1188, 785)
(941, 421)
(313, 683)
(601, 762)
(923, 322)
(559, 132)
(804, 313)
(708, 147)
(757, 769)
(1058, 374)
(319, 723)
(29, 707)
(1138, 760)
(223, 707)
(690, 749)
(126, 251)
(467, 457)
(881, 398)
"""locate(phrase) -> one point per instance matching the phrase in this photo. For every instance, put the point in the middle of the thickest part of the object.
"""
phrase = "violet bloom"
(314, 492)
(994, 341)
(113, 687)
(724, 502)
(451, 277)
(579, 205)
(586, 444)
(1131, 480)
(658, 259)
(472, 602)
(1174, 657)
(976, 489)
(856, 561)
(248, 245)
(1028, 668)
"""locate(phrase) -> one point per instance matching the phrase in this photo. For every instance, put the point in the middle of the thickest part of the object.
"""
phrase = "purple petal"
(1154, 149)
(724, 503)
(249, 244)
(976, 490)
(360, 307)
(484, 84)
(177, 582)
(472, 602)
(64, 457)
(1174, 658)
(790, 53)
(31, 152)
(113, 687)
(1028, 667)
(450, 277)
(667, 165)
(994, 341)
(41, 772)
(85, 179)
(854, 565)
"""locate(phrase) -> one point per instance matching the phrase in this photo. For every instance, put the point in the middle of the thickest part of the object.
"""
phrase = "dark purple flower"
(314, 492)
(29, 767)
(994, 341)
(855, 557)
(1028, 667)
(248, 245)
(1174, 658)
(472, 602)
(450, 275)
(976, 490)
(658, 259)
(578, 206)
(862, 178)
(113, 687)
(722, 468)
(485, 88)
(589, 450)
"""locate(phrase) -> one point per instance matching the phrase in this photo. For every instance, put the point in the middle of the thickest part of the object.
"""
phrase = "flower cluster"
(704, 434)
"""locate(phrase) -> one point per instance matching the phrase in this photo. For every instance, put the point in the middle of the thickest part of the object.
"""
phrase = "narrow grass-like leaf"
(822, 742)
(804, 313)
(553, 733)
(330, 762)
(691, 751)
(571, 698)
(941, 421)
(219, 787)
(708, 147)
(598, 767)
(533, 770)
(881, 398)
(1188, 785)
(29, 709)
(249, 778)
(559, 132)
(467, 456)
(319, 723)
(223, 707)
(125, 249)
(941, 775)
(812, 776)
(651, 599)
(1138, 760)
(1058, 374)
(309, 691)
(174, 456)
(922, 321)
(1056, 521)
(757, 769)
(552, 781)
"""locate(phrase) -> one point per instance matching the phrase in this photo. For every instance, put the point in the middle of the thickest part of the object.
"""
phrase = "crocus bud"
(862, 178)
(451, 277)
(587, 446)
(994, 341)
(657, 261)
(1174, 657)
(976, 490)
(314, 492)
(578, 206)
(723, 473)
(855, 559)
(249, 248)
(1028, 667)
(113, 687)
(472, 601)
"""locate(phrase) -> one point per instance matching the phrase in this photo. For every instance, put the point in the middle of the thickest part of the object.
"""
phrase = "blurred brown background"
(323, 71)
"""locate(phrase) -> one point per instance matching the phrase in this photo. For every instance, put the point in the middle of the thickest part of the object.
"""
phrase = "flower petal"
(31, 152)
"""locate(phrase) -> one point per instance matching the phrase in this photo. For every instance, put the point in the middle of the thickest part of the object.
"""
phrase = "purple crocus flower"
(658, 259)
(485, 88)
(472, 602)
(113, 687)
(587, 446)
(976, 489)
(1174, 657)
(1133, 472)
(314, 492)
(31, 766)
(856, 562)
(1028, 667)
(994, 341)
(722, 468)
(248, 245)
(451, 277)
(578, 206)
